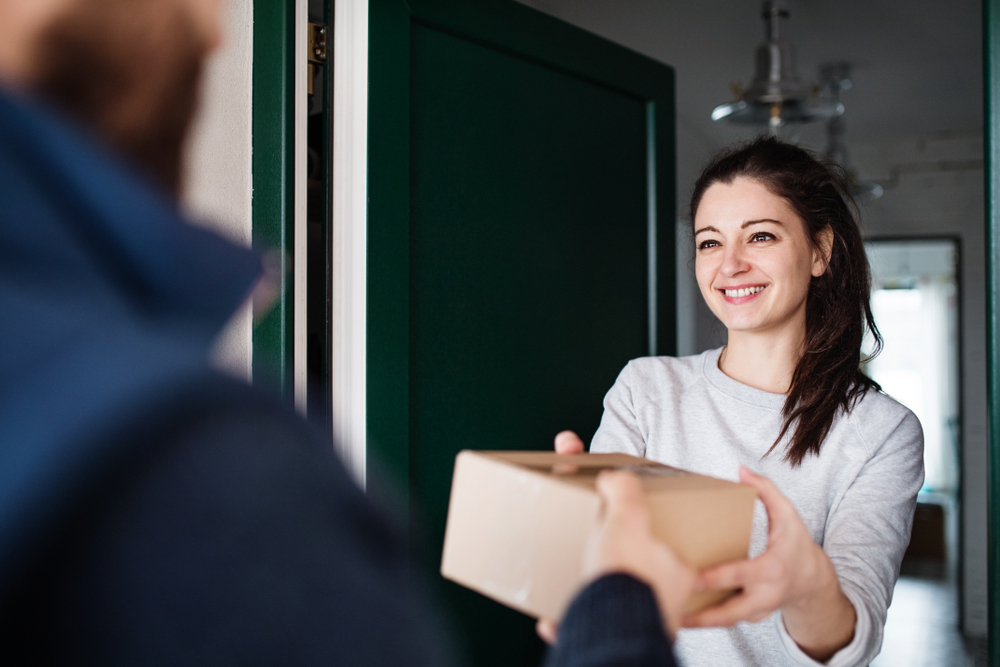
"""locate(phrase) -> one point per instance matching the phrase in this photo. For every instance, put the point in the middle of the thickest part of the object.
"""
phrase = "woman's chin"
(742, 328)
(739, 322)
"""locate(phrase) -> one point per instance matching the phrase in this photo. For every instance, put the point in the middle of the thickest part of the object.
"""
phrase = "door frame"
(349, 233)
(991, 115)
(280, 114)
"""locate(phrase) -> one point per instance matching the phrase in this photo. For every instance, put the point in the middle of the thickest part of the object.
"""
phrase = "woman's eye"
(761, 236)
(704, 245)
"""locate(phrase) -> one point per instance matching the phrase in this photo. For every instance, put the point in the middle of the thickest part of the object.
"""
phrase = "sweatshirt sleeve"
(614, 622)
(241, 539)
(869, 529)
(619, 430)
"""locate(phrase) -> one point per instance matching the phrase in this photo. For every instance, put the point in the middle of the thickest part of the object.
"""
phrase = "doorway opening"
(916, 300)
(318, 214)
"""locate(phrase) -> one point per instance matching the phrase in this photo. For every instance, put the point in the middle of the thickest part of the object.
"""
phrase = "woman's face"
(754, 260)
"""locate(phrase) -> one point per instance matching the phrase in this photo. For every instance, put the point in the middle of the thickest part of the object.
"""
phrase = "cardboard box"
(518, 522)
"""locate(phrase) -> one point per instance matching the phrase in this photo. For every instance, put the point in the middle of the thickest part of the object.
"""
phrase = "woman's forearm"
(823, 622)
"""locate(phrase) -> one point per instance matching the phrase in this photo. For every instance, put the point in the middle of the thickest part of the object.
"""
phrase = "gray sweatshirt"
(857, 497)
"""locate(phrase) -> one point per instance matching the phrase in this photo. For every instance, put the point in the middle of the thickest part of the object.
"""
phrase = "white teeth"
(746, 291)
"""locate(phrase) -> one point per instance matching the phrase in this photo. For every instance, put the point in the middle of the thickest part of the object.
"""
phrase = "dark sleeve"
(242, 541)
(614, 622)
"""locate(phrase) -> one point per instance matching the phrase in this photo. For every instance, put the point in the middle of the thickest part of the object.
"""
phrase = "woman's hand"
(794, 575)
(568, 442)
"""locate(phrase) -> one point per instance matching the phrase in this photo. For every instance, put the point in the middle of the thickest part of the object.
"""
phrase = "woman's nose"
(734, 260)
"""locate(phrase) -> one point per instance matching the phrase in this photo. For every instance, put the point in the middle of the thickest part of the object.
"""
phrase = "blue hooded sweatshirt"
(110, 302)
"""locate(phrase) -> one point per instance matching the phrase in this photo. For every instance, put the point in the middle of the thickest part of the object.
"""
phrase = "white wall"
(218, 181)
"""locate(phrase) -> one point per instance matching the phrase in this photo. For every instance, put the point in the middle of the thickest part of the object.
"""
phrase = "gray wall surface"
(218, 184)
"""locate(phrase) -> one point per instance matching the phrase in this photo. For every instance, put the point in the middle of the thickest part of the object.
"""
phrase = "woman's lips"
(738, 294)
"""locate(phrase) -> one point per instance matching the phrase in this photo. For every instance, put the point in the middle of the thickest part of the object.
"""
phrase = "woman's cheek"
(704, 273)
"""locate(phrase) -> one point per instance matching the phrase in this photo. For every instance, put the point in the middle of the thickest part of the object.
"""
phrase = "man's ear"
(22, 22)
(822, 251)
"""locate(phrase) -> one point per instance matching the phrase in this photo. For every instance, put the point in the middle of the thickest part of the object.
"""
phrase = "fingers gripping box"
(518, 522)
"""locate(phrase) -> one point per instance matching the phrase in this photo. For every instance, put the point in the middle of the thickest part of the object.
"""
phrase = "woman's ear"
(821, 251)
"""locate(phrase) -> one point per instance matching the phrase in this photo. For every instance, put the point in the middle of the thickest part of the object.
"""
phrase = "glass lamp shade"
(805, 110)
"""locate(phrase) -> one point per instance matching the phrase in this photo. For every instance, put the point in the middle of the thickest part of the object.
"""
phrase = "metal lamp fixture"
(836, 78)
(777, 95)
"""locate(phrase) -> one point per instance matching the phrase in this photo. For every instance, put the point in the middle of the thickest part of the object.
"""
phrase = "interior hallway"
(922, 628)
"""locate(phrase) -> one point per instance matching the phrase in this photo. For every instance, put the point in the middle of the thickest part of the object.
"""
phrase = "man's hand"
(794, 575)
(622, 541)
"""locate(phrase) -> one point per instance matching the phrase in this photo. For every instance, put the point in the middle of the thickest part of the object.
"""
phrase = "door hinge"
(317, 50)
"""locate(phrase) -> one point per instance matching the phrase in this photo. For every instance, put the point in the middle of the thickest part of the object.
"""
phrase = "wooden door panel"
(528, 272)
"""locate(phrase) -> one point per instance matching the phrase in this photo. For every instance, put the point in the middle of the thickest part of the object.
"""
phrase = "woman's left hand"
(794, 575)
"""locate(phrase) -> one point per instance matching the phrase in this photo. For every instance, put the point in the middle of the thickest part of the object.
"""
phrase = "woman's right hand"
(568, 442)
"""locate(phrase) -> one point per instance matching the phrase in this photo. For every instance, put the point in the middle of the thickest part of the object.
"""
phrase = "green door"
(520, 231)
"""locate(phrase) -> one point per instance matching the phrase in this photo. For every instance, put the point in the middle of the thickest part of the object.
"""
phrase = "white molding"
(300, 192)
(350, 230)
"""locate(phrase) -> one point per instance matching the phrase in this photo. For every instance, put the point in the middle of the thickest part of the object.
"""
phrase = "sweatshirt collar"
(734, 389)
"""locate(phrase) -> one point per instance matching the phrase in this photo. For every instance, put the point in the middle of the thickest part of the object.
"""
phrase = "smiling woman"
(837, 463)
(771, 219)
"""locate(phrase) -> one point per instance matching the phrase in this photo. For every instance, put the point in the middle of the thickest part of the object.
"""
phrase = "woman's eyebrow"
(746, 224)
(756, 222)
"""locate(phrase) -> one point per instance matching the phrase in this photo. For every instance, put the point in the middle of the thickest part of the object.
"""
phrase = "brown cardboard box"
(518, 522)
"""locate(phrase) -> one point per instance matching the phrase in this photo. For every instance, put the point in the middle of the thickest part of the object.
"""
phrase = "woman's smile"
(741, 293)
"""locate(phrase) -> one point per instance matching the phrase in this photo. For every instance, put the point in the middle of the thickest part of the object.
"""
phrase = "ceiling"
(917, 63)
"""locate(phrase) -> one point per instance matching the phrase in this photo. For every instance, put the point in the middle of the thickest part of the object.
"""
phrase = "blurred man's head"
(127, 69)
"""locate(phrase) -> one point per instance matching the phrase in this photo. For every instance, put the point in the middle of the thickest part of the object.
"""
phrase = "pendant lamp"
(777, 96)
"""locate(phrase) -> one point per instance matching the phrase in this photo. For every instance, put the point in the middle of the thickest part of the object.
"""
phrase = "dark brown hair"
(828, 377)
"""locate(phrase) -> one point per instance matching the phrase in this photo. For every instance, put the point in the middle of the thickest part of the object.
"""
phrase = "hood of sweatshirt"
(109, 301)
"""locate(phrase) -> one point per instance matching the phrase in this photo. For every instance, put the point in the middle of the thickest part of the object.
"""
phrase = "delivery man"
(151, 511)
